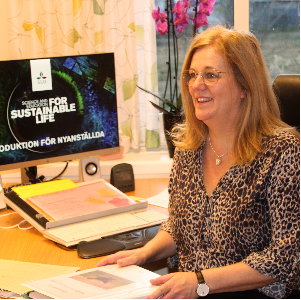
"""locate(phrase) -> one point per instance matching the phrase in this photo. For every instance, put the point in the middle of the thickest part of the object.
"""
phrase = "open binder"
(88, 204)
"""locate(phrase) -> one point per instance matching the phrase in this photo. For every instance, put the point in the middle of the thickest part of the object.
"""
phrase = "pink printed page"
(82, 200)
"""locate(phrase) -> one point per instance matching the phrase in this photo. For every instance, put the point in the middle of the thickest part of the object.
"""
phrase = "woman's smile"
(203, 99)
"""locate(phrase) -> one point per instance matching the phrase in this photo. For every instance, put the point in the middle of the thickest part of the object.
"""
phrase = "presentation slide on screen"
(57, 106)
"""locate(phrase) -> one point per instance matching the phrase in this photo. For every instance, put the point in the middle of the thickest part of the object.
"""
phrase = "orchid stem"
(195, 15)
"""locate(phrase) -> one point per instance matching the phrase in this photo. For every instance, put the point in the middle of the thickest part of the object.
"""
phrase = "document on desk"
(161, 199)
(42, 188)
(14, 273)
(82, 200)
(108, 282)
(85, 212)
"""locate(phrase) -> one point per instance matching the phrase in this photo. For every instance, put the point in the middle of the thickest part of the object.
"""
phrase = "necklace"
(218, 160)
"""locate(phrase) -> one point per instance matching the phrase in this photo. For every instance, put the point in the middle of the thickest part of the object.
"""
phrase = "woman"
(234, 187)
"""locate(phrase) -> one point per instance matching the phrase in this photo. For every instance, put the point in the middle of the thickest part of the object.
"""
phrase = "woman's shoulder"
(282, 139)
(186, 157)
(279, 150)
(185, 153)
(282, 143)
(188, 153)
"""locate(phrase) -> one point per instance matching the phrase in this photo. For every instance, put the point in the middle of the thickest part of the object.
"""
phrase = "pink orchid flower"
(186, 4)
(178, 8)
(180, 29)
(211, 2)
(181, 19)
(205, 8)
(157, 15)
(200, 20)
(162, 27)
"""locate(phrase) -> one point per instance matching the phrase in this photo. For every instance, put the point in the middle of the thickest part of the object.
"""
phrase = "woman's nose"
(199, 83)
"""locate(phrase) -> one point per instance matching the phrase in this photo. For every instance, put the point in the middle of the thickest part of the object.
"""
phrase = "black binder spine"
(30, 211)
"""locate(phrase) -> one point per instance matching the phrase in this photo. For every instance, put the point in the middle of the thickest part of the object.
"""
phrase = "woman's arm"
(236, 277)
(161, 246)
(231, 278)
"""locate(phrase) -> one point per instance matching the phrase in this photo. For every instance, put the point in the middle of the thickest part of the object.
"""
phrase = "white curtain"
(46, 28)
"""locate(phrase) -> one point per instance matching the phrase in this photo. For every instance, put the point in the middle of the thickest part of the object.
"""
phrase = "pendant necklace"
(218, 160)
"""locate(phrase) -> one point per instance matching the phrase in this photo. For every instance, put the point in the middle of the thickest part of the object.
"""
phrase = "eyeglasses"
(209, 76)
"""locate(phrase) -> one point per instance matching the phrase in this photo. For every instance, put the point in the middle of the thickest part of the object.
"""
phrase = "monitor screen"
(57, 109)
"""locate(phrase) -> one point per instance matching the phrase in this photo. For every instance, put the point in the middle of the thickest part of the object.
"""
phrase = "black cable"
(37, 180)
(54, 178)
(42, 177)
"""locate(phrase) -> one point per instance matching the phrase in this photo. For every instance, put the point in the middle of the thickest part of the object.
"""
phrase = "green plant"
(173, 23)
(173, 109)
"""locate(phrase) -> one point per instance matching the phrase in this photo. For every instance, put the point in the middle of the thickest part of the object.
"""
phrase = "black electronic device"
(122, 177)
(125, 241)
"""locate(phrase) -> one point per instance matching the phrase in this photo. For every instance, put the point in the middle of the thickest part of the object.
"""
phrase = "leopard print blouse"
(252, 216)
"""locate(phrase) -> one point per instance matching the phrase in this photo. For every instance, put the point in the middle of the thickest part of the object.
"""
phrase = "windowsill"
(146, 164)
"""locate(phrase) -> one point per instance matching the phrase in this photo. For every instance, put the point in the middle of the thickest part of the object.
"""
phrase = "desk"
(31, 246)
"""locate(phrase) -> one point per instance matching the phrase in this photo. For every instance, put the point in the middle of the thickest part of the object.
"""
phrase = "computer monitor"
(57, 109)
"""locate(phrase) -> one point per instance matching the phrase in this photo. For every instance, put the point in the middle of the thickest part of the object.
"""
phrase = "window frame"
(242, 14)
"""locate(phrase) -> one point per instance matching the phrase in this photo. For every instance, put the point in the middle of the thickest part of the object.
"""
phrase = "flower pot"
(169, 121)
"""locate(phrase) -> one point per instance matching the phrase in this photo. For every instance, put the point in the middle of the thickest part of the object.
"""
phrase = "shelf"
(146, 164)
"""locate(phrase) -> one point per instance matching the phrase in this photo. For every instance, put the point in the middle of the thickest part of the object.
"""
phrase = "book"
(107, 282)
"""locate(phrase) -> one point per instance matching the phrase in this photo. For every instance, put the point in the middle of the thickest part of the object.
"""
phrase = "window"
(222, 13)
(276, 24)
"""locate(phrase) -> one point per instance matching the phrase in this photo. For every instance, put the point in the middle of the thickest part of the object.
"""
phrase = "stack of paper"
(14, 273)
(108, 282)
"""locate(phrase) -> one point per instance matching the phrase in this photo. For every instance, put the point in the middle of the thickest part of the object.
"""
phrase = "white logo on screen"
(41, 75)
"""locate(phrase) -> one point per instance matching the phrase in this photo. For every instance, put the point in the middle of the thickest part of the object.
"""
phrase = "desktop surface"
(31, 246)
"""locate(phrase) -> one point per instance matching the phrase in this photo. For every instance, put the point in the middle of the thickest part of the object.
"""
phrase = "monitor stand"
(29, 175)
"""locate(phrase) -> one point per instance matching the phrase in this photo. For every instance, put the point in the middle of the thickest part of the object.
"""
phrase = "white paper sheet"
(160, 200)
(107, 282)
(14, 273)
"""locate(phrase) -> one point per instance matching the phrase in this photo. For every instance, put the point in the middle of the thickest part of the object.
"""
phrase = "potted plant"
(173, 23)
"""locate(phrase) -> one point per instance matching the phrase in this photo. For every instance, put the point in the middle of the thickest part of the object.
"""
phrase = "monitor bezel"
(57, 159)
(68, 157)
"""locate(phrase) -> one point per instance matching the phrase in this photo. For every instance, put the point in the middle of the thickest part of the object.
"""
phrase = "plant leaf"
(157, 96)
(162, 109)
(165, 101)
(179, 102)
